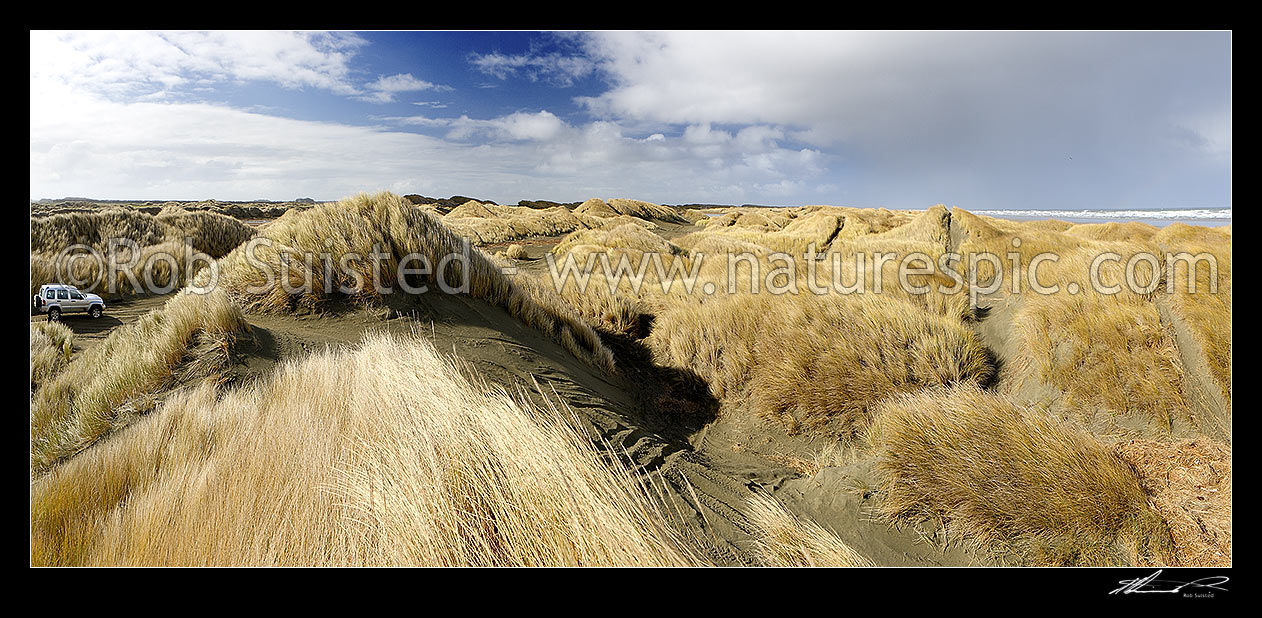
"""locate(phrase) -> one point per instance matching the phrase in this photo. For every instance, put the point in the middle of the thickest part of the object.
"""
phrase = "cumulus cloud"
(976, 118)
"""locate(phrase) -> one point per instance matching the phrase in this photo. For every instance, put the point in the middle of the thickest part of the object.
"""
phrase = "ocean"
(1209, 217)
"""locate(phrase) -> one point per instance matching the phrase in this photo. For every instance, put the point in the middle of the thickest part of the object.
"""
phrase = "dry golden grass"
(645, 210)
(814, 230)
(784, 540)
(1013, 480)
(1190, 485)
(816, 361)
(1105, 352)
(626, 236)
(595, 207)
(605, 223)
(515, 252)
(983, 236)
(52, 345)
(485, 224)
(112, 383)
(53, 233)
(693, 215)
(357, 225)
(618, 312)
(1206, 312)
(208, 232)
(174, 232)
(414, 463)
(1131, 230)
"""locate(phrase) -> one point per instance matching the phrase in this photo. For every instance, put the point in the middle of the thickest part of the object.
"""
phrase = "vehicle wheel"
(95, 312)
(54, 314)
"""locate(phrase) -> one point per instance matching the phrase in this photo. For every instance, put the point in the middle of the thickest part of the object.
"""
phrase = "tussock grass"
(784, 540)
(645, 210)
(1208, 313)
(174, 232)
(1130, 230)
(211, 233)
(795, 237)
(111, 384)
(605, 223)
(978, 236)
(56, 232)
(618, 312)
(930, 226)
(1105, 352)
(52, 345)
(414, 463)
(515, 252)
(815, 362)
(485, 224)
(595, 207)
(693, 215)
(384, 221)
(626, 236)
(1013, 480)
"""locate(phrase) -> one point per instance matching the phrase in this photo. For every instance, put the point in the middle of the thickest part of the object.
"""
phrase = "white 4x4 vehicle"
(55, 300)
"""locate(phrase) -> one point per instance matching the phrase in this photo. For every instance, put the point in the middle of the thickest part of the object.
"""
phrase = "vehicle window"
(61, 295)
(76, 296)
(50, 294)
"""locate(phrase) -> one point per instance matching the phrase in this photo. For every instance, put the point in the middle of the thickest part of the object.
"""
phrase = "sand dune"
(519, 422)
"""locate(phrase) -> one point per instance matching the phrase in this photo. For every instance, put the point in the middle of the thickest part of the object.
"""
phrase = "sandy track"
(89, 332)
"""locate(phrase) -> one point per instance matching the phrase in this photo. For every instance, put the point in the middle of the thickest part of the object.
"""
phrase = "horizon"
(902, 120)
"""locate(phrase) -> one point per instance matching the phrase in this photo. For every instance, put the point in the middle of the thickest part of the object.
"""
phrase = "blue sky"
(981, 120)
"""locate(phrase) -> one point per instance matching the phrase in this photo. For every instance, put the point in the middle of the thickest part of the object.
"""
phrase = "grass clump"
(784, 540)
(384, 222)
(485, 224)
(816, 362)
(174, 232)
(52, 345)
(111, 384)
(515, 252)
(1013, 480)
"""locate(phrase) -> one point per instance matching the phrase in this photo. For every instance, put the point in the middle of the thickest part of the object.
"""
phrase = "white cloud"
(126, 64)
(863, 118)
(970, 117)
(84, 144)
(519, 126)
(554, 68)
(385, 88)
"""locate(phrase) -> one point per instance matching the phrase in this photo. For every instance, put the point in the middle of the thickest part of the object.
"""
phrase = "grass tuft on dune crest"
(385, 222)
